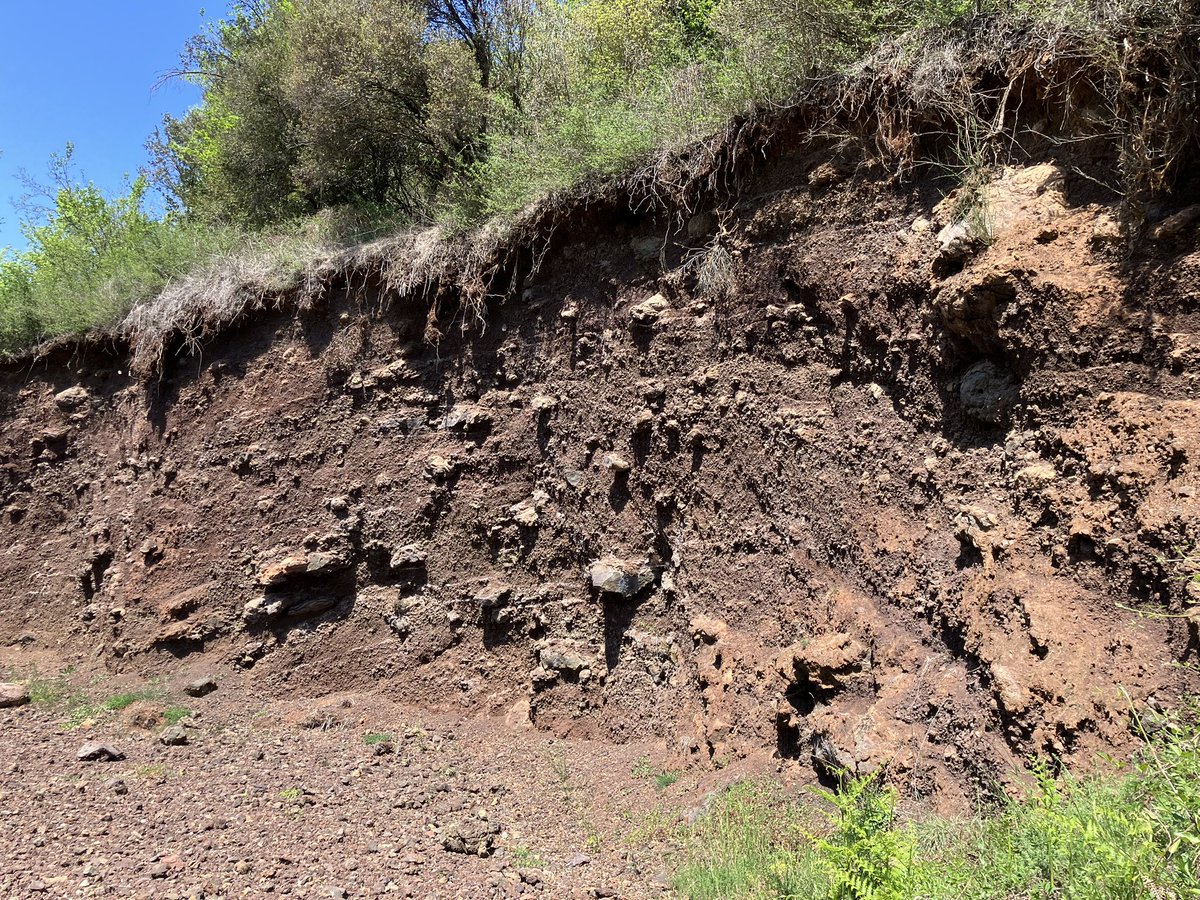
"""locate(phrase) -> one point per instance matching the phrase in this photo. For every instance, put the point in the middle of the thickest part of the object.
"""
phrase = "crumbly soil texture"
(831, 476)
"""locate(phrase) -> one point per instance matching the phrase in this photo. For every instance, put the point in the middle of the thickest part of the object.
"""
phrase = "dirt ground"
(815, 482)
(350, 795)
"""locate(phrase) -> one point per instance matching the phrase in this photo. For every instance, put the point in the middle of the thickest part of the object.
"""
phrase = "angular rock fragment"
(466, 418)
(201, 687)
(173, 736)
(986, 392)
(293, 567)
(13, 695)
(96, 752)
(476, 837)
(823, 663)
(648, 313)
(621, 577)
(559, 658)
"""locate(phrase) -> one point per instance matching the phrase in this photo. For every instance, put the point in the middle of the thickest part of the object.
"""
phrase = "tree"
(317, 103)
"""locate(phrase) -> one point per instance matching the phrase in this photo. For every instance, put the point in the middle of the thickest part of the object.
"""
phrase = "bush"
(1131, 833)
(90, 259)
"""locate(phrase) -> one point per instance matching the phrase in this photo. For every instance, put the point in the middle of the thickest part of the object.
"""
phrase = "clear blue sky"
(83, 71)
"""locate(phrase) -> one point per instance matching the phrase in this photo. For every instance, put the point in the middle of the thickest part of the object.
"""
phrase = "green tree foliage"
(317, 103)
(406, 111)
(89, 258)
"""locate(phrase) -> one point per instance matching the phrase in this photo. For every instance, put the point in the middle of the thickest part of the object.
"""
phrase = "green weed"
(173, 715)
(1128, 833)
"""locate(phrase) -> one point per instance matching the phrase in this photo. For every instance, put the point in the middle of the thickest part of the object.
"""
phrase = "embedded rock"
(823, 662)
(986, 392)
(620, 577)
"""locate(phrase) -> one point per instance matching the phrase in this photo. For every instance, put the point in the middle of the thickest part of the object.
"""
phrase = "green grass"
(662, 778)
(1132, 832)
(82, 705)
(376, 737)
(527, 859)
(173, 715)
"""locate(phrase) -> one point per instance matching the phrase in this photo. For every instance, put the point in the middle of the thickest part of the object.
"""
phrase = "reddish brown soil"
(886, 505)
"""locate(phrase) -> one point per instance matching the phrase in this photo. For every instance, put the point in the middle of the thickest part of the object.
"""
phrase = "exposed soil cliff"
(817, 481)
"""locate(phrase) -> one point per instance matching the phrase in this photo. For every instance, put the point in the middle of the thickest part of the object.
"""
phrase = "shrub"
(90, 258)
(1126, 833)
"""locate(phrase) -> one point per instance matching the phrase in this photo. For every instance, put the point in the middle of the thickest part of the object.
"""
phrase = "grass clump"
(376, 737)
(1131, 833)
(751, 844)
(173, 715)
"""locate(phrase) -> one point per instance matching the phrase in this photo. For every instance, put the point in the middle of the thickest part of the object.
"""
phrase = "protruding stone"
(648, 313)
(73, 399)
(13, 695)
(823, 662)
(559, 658)
(173, 736)
(96, 752)
(278, 573)
(616, 463)
(466, 418)
(613, 575)
(986, 392)
(201, 687)
(410, 556)
(293, 567)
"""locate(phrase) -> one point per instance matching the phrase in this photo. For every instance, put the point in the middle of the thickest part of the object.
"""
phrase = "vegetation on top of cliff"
(326, 123)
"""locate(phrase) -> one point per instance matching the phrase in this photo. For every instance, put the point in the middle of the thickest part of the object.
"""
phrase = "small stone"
(579, 859)
(612, 575)
(12, 694)
(158, 870)
(242, 867)
(561, 659)
(438, 466)
(648, 313)
(117, 786)
(616, 463)
(201, 687)
(410, 556)
(526, 515)
(173, 736)
(95, 752)
(72, 398)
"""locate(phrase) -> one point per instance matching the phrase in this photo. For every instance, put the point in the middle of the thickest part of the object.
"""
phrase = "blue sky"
(83, 71)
